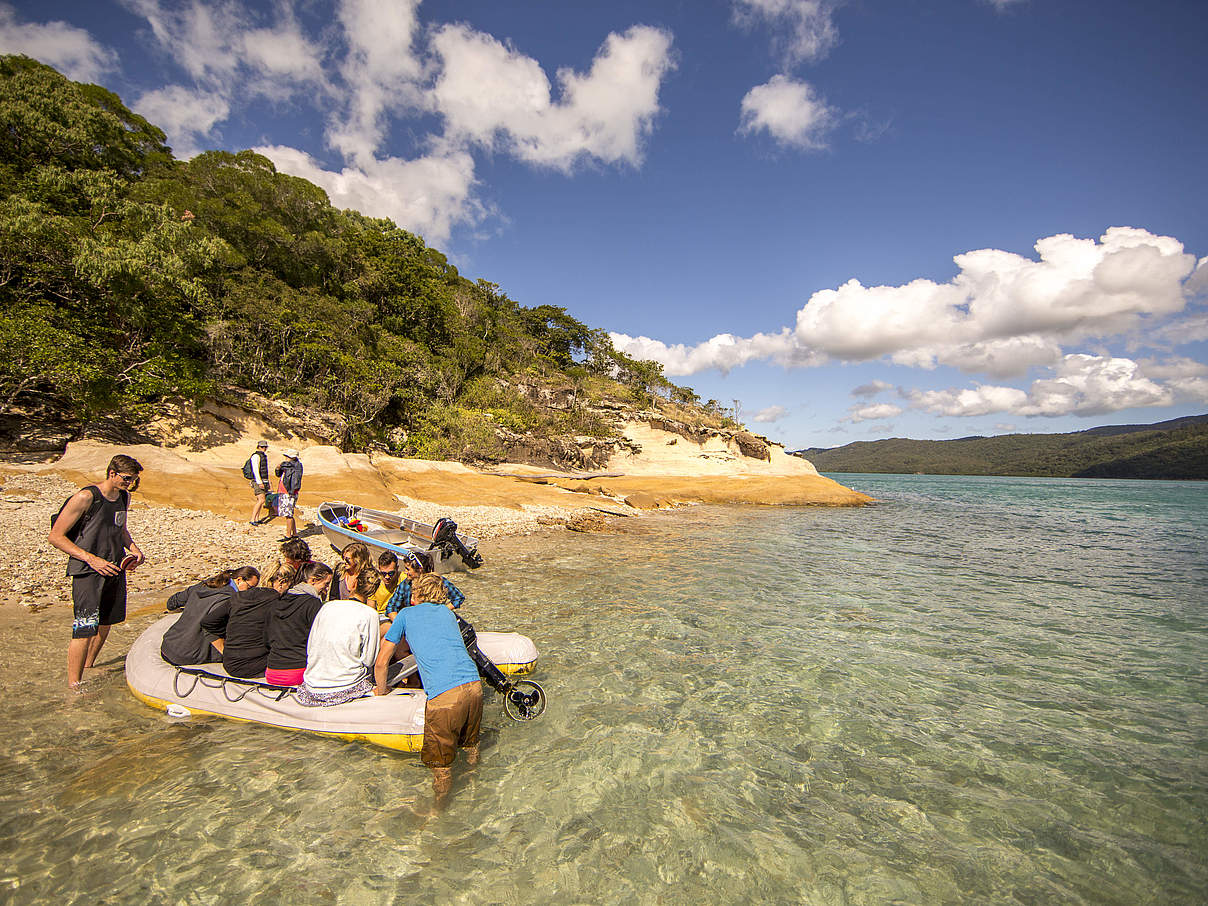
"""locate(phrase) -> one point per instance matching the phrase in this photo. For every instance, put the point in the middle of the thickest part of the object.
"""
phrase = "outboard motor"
(444, 536)
(522, 699)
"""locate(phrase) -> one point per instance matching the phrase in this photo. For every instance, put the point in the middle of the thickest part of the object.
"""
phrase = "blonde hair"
(428, 587)
(367, 582)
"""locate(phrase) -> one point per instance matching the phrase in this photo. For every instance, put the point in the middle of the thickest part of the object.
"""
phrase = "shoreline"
(190, 514)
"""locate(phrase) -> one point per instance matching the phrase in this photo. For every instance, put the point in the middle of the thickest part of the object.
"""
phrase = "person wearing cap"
(289, 470)
(257, 464)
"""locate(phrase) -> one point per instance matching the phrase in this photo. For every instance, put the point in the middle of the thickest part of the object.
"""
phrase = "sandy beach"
(190, 514)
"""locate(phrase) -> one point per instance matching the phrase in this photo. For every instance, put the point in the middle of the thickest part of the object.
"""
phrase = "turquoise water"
(983, 690)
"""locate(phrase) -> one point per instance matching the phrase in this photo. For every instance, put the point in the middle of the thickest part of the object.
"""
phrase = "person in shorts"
(91, 529)
(289, 471)
(453, 712)
(259, 479)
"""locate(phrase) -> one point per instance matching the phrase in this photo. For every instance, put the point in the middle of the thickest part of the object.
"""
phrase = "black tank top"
(103, 534)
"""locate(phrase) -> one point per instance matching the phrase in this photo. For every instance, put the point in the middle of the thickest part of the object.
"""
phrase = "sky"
(845, 220)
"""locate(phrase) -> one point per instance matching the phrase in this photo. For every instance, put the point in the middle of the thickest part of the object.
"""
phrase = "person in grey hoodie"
(186, 642)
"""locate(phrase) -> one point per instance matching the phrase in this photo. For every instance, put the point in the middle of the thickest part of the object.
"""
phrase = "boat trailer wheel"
(524, 701)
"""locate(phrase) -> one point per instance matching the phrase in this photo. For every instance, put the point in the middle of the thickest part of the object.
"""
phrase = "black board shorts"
(98, 601)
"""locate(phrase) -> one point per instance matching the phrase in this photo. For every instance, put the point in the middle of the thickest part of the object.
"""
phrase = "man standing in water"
(453, 713)
(91, 529)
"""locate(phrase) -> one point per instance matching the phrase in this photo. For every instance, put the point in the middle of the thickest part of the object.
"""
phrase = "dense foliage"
(129, 277)
(1176, 449)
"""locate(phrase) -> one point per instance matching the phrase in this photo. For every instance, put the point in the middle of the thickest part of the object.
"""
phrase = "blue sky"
(864, 219)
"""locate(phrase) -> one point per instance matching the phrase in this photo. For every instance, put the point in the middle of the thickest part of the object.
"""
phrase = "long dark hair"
(246, 573)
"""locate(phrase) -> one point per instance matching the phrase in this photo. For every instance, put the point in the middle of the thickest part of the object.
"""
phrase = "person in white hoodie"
(342, 647)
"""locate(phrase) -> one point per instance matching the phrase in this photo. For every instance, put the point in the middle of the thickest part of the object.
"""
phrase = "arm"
(177, 601)
(456, 598)
(400, 599)
(73, 513)
(385, 652)
(215, 620)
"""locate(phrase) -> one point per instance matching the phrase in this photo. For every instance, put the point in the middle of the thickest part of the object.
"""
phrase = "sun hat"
(290, 452)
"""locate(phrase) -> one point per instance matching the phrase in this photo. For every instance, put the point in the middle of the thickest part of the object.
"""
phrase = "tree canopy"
(128, 277)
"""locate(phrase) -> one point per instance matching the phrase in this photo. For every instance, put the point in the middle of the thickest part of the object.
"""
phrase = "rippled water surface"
(982, 690)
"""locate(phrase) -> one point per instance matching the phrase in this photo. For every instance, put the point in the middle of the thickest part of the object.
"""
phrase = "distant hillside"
(1171, 449)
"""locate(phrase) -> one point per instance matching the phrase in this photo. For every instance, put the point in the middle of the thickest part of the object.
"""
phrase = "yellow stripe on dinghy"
(400, 742)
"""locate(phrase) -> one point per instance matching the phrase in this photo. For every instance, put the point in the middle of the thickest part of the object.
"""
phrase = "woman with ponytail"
(197, 636)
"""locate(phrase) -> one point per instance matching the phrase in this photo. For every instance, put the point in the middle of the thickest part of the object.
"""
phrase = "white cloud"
(495, 96)
(68, 49)
(1081, 385)
(803, 29)
(873, 412)
(789, 110)
(1000, 315)
(770, 414)
(184, 114)
(872, 388)
(429, 195)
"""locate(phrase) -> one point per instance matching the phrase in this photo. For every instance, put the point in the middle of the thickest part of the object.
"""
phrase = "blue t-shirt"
(431, 631)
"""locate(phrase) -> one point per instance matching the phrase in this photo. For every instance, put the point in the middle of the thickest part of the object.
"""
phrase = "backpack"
(74, 532)
(249, 471)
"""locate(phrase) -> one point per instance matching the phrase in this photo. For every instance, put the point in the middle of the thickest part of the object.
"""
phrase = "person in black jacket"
(209, 602)
(289, 470)
(289, 624)
(258, 462)
(245, 652)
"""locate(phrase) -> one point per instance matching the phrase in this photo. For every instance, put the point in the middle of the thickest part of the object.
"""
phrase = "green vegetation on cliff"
(1173, 449)
(128, 277)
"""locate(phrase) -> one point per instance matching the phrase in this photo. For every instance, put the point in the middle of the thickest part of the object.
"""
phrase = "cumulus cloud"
(379, 66)
(803, 30)
(185, 114)
(495, 96)
(1081, 385)
(788, 110)
(1000, 315)
(430, 195)
(68, 49)
(873, 412)
(770, 414)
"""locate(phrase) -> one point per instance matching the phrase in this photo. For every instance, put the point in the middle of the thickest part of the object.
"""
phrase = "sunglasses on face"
(127, 479)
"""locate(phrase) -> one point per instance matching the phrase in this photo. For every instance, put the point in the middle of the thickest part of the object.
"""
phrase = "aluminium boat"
(451, 551)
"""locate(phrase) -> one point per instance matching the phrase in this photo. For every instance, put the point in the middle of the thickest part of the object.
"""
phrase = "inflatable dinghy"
(395, 721)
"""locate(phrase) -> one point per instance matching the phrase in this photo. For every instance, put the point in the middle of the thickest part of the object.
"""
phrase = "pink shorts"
(284, 677)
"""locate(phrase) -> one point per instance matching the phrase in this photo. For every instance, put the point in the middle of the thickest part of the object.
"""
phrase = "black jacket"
(245, 652)
(290, 472)
(289, 628)
(186, 642)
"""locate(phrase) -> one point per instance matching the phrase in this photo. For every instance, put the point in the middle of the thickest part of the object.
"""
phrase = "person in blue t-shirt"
(453, 713)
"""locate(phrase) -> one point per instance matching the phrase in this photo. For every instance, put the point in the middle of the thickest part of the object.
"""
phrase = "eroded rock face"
(753, 446)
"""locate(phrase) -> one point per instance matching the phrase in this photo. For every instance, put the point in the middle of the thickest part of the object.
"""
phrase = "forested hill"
(1172, 449)
(129, 278)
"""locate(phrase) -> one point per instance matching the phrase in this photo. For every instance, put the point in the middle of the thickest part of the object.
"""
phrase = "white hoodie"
(342, 646)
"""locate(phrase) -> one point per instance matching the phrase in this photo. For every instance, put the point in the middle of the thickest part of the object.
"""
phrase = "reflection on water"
(983, 690)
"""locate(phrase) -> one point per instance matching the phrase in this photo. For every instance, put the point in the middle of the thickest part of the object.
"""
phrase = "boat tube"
(450, 550)
(395, 720)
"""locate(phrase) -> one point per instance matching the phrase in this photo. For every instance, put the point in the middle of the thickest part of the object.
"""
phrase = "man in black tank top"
(97, 551)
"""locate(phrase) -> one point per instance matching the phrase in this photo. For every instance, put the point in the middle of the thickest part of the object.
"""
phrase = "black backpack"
(74, 532)
(249, 471)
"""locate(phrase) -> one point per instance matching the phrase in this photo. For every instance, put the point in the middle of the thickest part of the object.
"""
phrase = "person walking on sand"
(91, 529)
(257, 466)
(289, 470)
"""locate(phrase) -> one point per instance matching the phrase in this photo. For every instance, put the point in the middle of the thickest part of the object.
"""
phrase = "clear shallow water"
(982, 690)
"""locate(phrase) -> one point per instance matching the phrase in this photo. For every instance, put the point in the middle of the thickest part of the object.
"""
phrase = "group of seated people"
(331, 634)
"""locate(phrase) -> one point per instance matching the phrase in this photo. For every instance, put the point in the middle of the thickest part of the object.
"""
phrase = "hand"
(103, 566)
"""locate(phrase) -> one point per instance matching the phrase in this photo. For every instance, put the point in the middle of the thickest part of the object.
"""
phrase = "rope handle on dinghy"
(200, 675)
